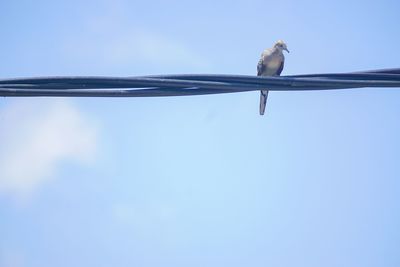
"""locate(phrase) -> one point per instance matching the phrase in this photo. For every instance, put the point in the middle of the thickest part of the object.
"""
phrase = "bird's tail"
(263, 100)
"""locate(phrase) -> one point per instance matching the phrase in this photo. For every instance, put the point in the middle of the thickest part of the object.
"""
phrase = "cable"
(192, 84)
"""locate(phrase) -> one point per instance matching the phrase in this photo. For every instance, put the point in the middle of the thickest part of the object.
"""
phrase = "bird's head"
(280, 45)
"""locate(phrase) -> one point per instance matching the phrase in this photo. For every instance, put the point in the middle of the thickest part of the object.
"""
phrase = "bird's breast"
(274, 64)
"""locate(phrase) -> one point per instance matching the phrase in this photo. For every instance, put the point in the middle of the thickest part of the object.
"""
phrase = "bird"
(271, 63)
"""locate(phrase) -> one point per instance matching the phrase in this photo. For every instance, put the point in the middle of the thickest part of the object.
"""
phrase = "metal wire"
(192, 84)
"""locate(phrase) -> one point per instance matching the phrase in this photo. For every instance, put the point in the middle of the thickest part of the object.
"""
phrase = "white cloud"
(35, 136)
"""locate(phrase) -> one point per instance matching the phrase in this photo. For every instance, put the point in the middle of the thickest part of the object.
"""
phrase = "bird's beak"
(286, 50)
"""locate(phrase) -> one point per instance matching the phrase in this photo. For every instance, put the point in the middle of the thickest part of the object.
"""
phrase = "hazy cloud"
(146, 218)
(35, 136)
(11, 258)
(111, 38)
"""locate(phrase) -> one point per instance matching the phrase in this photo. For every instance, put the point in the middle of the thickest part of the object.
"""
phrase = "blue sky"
(205, 180)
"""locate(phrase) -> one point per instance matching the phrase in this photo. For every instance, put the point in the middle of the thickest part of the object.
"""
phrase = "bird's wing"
(262, 62)
(279, 71)
(260, 67)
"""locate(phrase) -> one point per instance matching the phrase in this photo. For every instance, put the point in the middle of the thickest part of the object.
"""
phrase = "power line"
(191, 84)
